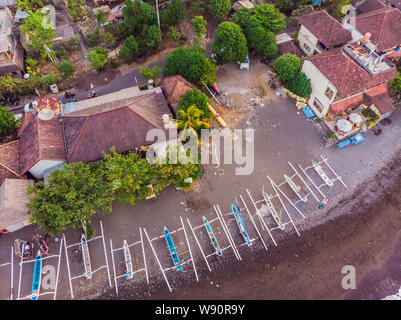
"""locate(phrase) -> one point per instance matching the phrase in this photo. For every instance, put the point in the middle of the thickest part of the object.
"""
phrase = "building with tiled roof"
(370, 5)
(342, 77)
(174, 87)
(9, 161)
(319, 31)
(384, 25)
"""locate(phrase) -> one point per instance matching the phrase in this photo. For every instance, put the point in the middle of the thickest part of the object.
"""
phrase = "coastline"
(363, 230)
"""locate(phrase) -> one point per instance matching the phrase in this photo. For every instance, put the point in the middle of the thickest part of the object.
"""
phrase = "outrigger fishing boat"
(297, 189)
(273, 211)
(37, 276)
(212, 238)
(86, 257)
(318, 168)
(128, 261)
(241, 225)
(172, 249)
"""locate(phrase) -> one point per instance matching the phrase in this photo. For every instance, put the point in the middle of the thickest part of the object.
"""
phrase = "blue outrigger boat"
(172, 249)
(241, 225)
(212, 238)
(37, 276)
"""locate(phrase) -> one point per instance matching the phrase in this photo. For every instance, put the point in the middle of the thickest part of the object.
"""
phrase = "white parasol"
(355, 118)
(344, 125)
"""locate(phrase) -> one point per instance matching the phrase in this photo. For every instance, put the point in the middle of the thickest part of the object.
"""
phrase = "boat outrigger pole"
(241, 225)
(212, 238)
(172, 249)
(128, 261)
(37, 276)
(86, 257)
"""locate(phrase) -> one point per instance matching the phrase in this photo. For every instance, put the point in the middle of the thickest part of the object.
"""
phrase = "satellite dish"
(46, 114)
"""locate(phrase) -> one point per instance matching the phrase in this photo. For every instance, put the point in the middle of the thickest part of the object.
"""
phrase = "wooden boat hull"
(212, 237)
(172, 249)
(241, 225)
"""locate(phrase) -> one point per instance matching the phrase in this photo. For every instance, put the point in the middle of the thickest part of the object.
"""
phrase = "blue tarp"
(69, 107)
(308, 112)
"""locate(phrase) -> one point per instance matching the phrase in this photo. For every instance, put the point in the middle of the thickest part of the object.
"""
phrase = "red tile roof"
(395, 3)
(370, 5)
(290, 47)
(88, 136)
(384, 25)
(377, 95)
(40, 140)
(325, 28)
(9, 161)
(345, 74)
(174, 87)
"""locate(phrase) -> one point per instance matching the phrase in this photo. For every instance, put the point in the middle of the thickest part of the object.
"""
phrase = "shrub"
(219, 9)
(8, 122)
(66, 69)
(300, 85)
(287, 67)
(230, 43)
(49, 79)
(197, 98)
(97, 58)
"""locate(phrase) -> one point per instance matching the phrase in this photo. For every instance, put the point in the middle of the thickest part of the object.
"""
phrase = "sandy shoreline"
(362, 230)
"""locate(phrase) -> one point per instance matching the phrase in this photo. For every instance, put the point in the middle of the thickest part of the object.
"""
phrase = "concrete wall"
(307, 39)
(38, 169)
(319, 85)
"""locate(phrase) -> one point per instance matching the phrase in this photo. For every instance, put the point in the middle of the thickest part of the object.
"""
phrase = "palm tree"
(190, 121)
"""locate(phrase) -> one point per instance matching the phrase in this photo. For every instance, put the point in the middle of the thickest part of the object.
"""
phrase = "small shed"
(13, 201)
(242, 4)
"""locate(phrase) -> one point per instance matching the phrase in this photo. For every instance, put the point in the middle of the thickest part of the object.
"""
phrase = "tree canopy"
(261, 40)
(300, 85)
(199, 25)
(97, 58)
(197, 98)
(138, 16)
(270, 17)
(287, 67)
(230, 43)
(219, 9)
(191, 64)
(8, 122)
(73, 194)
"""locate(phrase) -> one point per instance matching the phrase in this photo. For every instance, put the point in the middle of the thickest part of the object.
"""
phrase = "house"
(342, 77)
(319, 31)
(11, 51)
(13, 201)
(41, 145)
(369, 5)
(286, 44)
(173, 88)
(384, 27)
(92, 131)
(9, 161)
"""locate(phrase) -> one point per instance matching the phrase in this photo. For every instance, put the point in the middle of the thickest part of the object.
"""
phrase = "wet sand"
(309, 267)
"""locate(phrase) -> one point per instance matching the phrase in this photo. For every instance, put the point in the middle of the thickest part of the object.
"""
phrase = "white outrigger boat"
(297, 189)
(273, 211)
(86, 257)
(318, 168)
(128, 261)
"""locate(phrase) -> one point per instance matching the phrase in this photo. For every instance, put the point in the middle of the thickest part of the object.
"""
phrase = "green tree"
(287, 67)
(173, 34)
(219, 9)
(176, 11)
(197, 98)
(67, 69)
(191, 64)
(199, 25)
(261, 40)
(129, 49)
(153, 37)
(290, 5)
(73, 194)
(100, 16)
(190, 121)
(149, 74)
(270, 17)
(97, 58)
(10, 86)
(30, 5)
(138, 16)
(300, 85)
(396, 83)
(8, 122)
(49, 79)
(337, 8)
(39, 32)
(230, 43)
(129, 174)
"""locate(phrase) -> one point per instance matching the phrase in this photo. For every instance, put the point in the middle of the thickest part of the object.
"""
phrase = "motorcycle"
(42, 244)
